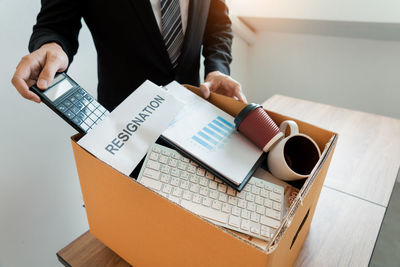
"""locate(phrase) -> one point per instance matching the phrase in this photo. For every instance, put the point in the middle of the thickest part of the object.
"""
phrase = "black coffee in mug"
(300, 154)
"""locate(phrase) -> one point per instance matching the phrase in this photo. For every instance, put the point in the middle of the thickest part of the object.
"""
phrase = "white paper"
(123, 138)
(208, 133)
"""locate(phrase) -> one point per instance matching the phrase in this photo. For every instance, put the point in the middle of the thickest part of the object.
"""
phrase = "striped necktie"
(171, 28)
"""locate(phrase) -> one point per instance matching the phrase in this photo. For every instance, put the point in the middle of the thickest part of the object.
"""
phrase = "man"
(159, 40)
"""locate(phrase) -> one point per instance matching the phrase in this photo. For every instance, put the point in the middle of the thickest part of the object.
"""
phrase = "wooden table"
(352, 202)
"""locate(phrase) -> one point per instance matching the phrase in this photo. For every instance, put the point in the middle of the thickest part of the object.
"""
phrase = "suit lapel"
(145, 12)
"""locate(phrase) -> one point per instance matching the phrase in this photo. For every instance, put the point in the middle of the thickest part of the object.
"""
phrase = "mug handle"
(293, 128)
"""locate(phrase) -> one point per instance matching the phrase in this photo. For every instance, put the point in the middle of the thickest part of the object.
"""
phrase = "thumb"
(205, 89)
(52, 65)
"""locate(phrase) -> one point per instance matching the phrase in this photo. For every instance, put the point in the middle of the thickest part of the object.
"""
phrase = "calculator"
(71, 102)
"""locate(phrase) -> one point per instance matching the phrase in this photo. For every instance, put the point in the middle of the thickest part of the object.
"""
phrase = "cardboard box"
(146, 229)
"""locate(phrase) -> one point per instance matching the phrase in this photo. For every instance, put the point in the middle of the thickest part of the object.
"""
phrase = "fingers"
(237, 92)
(21, 77)
(205, 89)
(52, 65)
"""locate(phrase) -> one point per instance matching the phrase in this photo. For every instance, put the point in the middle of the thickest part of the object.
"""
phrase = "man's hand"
(222, 84)
(39, 67)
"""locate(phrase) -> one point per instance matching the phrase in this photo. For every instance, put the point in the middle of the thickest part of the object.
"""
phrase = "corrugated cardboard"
(147, 229)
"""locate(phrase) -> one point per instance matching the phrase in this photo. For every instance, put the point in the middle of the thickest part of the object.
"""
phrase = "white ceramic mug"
(293, 157)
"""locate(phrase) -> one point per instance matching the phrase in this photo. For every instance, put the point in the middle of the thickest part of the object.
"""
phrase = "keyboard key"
(241, 195)
(203, 181)
(259, 200)
(213, 194)
(165, 178)
(184, 175)
(264, 193)
(153, 165)
(166, 153)
(277, 191)
(226, 208)
(177, 192)
(255, 230)
(255, 190)
(172, 162)
(200, 172)
(93, 117)
(218, 180)
(153, 156)
(77, 120)
(259, 183)
(175, 172)
(184, 185)
(247, 188)
(163, 159)
(216, 205)
(197, 198)
(275, 196)
(273, 214)
(251, 206)
(245, 225)
(67, 103)
(206, 202)
(232, 200)
(69, 114)
(231, 191)
(212, 185)
(88, 97)
(175, 181)
(245, 214)
(182, 165)
(187, 195)
(176, 156)
(193, 178)
(184, 159)
(277, 206)
(203, 191)
(223, 197)
(242, 203)
(194, 188)
(206, 212)
(191, 169)
(156, 185)
(236, 211)
(209, 175)
(268, 187)
(234, 221)
(270, 222)
(255, 217)
(222, 188)
(260, 209)
(81, 116)
(250, 197)
(62, 108)
(165, 169)
(97, 112)
(268, 203)
(167, 189)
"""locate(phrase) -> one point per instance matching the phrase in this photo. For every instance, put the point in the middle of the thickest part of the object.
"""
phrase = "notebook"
(207, 135)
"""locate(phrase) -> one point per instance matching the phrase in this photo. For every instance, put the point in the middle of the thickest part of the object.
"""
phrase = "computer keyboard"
(256, 210)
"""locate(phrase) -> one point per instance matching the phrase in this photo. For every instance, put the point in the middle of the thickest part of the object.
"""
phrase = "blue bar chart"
(214, 133)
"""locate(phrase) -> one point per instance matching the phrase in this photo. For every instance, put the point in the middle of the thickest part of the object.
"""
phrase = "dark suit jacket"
(129, 44)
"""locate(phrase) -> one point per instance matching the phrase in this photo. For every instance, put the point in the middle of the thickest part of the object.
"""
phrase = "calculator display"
(58, 90)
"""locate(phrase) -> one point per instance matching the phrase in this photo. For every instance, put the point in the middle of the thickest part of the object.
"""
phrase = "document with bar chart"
(208, 134)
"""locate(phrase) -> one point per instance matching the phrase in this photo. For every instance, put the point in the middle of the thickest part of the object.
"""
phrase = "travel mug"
(254, 123)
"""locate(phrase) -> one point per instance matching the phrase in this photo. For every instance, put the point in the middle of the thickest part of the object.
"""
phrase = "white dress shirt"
(184, 4)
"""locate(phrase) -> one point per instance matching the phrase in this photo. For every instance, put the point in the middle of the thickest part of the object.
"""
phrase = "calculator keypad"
(82, 109)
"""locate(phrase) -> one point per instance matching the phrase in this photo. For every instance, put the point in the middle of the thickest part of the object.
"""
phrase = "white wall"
(338, 10)
(40, 200)
(355, 73)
